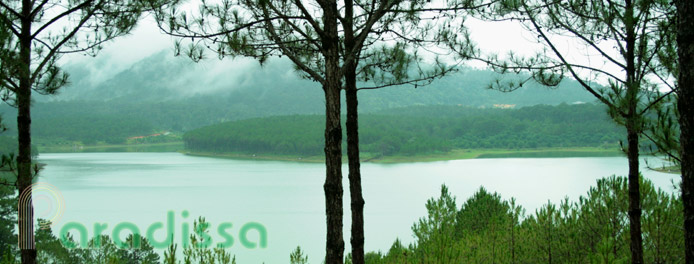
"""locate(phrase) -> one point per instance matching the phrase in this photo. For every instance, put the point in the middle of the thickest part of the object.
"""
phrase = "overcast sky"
(146, 39)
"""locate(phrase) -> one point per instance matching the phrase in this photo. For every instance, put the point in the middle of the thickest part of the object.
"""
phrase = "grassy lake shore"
(451, 155)
(152, 147)
(455, 154)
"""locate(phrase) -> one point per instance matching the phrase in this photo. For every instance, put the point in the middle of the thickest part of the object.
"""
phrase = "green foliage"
(8, 147)
(595, 229)
(8, 201)
(199, 251)
(123, 106)
(8, 213)
(437, 229)
(104, 250)
(479, 221)
(49, 248)
(418, 130)
(297, 257)
(81, 114)
(282, 135)
(91, 129)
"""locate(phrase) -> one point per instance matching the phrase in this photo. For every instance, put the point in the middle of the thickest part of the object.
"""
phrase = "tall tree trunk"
(634, 197)
(633, 131)
(685, 103)
(24, 175)
(335, 244)
(356, 197)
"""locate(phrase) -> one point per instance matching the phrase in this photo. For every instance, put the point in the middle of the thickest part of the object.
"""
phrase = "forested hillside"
(417, 130)
(162, 77)
(132, 102)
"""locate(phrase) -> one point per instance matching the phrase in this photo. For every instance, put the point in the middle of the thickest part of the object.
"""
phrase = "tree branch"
(61, 15)
(308, 18)
(38, 8)
(415, 82)
(651, 104)
(662, 149)
(10, 84)
(60, 44)
(12, 11)
(589, 42)
(273, 34)
(10, 25)
(568, 65)
(294, 26)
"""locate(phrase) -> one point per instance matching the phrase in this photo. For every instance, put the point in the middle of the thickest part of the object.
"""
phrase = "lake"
(286, 198)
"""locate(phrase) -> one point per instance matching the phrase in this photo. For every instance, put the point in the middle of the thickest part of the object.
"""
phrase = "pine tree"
(328, 46)
(685, 52)
(638, 31)
(35, 34)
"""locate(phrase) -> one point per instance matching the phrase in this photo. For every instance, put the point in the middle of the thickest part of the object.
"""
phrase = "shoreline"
(150, 147)
(668, 169)
(457, 154)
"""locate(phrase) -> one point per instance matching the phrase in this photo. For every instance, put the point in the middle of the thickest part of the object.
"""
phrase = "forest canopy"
(419, 130)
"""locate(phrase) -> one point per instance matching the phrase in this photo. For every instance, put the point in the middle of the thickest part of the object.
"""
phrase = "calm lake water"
(287, 198)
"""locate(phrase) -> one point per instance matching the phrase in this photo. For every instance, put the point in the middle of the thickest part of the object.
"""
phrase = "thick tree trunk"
(24, 174)
(685, 103)
(634, 197)
(335, 244)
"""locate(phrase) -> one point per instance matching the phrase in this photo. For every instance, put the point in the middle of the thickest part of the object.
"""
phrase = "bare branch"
(308, 18)
(60, 44)
(588, 41)
(662, 148)
(60, 16)
(416, 82)
(273, 33)
(569, 67)
(38, 8)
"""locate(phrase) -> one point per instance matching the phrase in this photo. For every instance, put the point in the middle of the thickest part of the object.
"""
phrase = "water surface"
(287, 197)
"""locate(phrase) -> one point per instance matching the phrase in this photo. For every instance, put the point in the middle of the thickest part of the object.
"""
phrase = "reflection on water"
(287, 198)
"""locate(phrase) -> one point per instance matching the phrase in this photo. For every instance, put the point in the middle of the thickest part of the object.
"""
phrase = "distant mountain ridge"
(166, 93)
(163, 77)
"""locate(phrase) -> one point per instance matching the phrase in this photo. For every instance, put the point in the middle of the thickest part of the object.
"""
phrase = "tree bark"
(335, 244)
(24, 174)
(356, 196)
(333, 179)
(634, 197)
(685, 104)
(357, 199)
(633, 131)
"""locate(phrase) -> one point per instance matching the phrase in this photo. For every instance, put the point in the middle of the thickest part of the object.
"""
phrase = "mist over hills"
(162, 77)
(166, 93)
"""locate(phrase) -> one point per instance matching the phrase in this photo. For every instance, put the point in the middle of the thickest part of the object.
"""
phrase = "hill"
(418, 130)
(166, 93)
(162, 77)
